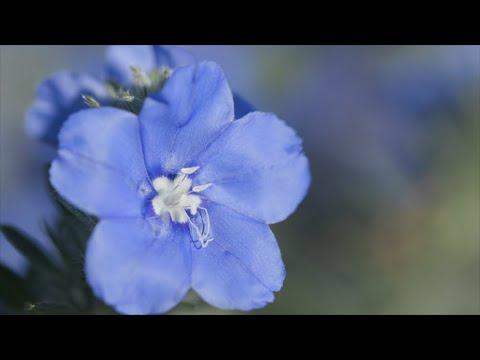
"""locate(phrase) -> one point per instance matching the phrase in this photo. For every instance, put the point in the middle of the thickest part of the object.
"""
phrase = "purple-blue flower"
(61, 94)
(56, 98)
(437, 82)
(184, 194)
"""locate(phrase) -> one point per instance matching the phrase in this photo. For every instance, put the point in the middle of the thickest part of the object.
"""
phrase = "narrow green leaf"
(65, 249)
(28, 248)
(13, 289)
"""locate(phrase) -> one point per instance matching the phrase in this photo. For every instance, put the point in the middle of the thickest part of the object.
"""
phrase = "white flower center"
(175, 197)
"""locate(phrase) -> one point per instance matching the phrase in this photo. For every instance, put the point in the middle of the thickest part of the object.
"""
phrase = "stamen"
(182, 183)
(161, 184)
(176, 199)
(200, 188)
(190, 170)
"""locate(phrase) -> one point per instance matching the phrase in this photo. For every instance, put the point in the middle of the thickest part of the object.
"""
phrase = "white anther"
(200, 188)
(161, 184)
(190, 170)
(176, 200)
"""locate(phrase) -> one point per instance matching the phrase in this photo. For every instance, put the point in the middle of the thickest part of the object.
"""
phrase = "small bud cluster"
(131, 99)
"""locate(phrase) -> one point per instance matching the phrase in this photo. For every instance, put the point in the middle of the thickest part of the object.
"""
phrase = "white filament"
(175, 197)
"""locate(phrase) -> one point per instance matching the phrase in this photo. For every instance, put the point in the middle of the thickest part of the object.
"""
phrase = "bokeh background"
(391, 224)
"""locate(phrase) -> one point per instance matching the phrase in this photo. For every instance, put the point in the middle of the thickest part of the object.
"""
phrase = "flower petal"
(195, 106)
(100, 166)
(241, 267)
(256, 167)
(57, 97)
(135, 271)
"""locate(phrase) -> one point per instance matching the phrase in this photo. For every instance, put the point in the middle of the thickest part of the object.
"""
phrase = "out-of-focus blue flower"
(60, 95)
(56, 98)
(433, 81)
(423, 93)
(375, 114)
(184, 194)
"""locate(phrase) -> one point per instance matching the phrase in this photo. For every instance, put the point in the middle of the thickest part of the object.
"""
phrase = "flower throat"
(179, 202)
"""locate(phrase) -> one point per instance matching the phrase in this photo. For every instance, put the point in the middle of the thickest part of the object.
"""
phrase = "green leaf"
(49, 308)
(28, 248)
(13, 289)
(67, 248)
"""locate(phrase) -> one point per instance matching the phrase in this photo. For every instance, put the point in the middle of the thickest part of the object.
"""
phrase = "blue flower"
(184, 194)
(437, 82)
(56, 98)
(60, 95)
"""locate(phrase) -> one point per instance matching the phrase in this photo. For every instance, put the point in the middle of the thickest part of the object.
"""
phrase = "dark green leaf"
(13, 290)
(67, 248)
(49, 308)
(28, 248)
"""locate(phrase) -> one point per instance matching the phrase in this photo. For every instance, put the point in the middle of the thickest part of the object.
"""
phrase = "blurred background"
(391, 224)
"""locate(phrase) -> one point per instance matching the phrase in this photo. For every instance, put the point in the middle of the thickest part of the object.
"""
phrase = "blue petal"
(241, 267)
(175, 56)
(195, 106)
(134, 271)
(257, 167)
(242, 106)
(100, 166)
(119, 59)
(56, 98)
(172, 56)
